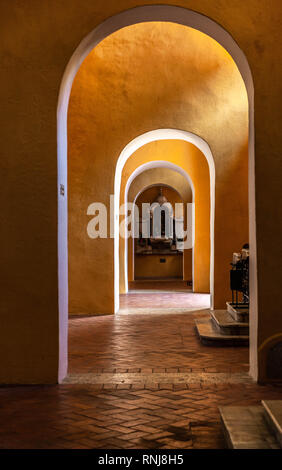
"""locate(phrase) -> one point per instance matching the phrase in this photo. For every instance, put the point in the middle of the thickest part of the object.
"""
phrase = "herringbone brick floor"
(124, 415)
(79, 416)
(157, 342)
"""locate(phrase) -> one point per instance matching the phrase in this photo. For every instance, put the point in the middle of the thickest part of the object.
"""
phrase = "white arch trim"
(134, 174)
(157, 164)
(146, 13)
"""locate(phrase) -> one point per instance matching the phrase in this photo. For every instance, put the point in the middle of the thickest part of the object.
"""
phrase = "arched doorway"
(137, 15)
(165, 135)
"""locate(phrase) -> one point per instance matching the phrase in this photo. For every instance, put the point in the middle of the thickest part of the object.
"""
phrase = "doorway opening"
(167, 14)
(165, 266)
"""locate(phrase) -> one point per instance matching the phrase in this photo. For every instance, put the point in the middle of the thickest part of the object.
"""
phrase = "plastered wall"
(151, 267)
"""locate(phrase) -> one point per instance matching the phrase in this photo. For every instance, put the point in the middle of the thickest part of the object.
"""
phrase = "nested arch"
(137, 15)
(142, 141)
(138, 171)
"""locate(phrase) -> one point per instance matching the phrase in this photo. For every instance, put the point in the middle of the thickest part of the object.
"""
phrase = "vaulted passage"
(141, 225)
(157, 166)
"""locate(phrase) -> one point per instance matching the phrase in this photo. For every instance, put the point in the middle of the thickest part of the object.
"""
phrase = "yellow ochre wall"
(150, 267)
(38, 39)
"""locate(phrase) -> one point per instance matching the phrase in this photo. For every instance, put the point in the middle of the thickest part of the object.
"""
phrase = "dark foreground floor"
(80, 416)
(163, 410)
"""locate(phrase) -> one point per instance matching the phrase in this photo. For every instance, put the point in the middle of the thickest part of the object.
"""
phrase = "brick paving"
(92, 416)
(158, 379)
(158, 414)
(147, 343)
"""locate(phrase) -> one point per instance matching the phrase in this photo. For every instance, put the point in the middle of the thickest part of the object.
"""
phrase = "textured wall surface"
(151, 267)
(38, 39)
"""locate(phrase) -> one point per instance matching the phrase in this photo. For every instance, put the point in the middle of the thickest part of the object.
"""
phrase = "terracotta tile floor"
(163, 415)
(151, 342)
(80, 416)
(163, 294)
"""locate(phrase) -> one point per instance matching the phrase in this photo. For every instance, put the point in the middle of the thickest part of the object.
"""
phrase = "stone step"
(225, 323)
(245, 427)
(239, 313)
(273, 416)
(211, 336)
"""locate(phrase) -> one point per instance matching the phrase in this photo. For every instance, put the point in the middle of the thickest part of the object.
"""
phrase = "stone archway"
(137, 15)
